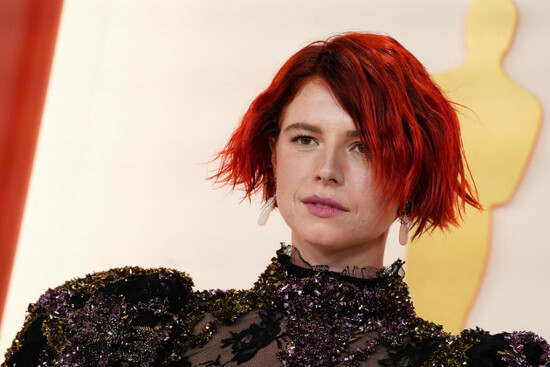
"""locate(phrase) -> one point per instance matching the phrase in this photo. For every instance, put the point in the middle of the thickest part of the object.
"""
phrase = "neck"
(337, 258)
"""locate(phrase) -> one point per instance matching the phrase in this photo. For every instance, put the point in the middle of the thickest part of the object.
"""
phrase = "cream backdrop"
(143, 92)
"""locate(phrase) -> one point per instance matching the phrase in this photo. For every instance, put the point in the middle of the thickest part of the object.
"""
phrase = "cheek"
(369, 198)
(291, 175)
(290, 170)
(285, 198)
(287, 185)
(283, 178)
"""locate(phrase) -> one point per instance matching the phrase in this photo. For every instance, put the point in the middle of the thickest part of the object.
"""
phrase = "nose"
(329, 167)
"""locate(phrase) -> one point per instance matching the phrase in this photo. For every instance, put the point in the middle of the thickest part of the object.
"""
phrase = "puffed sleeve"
(520, 348)
(127, 317)
(432, 347)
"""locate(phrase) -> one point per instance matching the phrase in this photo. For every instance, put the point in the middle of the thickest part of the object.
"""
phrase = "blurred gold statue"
(499, 127)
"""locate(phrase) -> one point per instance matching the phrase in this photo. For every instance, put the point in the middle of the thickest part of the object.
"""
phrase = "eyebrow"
(314, 129)
(303, 126)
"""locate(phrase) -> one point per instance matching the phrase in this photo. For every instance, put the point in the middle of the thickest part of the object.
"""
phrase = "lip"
(323, 207)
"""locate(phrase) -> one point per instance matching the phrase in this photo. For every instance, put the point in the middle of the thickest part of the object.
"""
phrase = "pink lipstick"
(323, 207)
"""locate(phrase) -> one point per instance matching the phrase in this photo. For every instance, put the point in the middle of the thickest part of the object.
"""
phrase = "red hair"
(409, 128)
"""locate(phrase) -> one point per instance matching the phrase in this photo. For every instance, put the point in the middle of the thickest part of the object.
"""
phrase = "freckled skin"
(319, 153)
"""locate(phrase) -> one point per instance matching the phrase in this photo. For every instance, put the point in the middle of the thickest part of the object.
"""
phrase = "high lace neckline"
(290, 257)
(326, 310)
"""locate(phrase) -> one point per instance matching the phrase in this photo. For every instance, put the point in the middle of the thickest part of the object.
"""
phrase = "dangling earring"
(404, 230)
(266, 211)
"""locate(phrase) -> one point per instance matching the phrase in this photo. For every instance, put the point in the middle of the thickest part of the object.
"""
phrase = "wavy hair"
(409, 128)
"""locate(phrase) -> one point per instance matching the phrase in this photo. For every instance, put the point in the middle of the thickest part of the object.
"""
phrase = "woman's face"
(325, 188)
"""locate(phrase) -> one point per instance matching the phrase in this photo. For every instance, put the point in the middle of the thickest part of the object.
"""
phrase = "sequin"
(324, 315)
(521, 340)
(309, 316)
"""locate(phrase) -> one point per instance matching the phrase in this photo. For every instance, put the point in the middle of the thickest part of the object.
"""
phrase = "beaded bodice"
(295, 315)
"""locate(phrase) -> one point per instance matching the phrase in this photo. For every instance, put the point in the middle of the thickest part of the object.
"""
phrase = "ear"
(272, 146)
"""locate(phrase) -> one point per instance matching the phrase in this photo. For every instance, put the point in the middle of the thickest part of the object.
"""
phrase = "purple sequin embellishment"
(328, 321)
(107, 330)
(54, 301)
(517, 341)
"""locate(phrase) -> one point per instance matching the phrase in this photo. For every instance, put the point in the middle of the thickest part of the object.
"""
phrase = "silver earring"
(404, 230)
(266, 211)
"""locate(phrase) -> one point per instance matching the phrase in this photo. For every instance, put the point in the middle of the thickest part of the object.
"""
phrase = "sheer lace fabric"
(350, 271)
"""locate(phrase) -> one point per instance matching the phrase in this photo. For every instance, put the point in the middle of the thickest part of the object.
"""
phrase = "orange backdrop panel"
(28, 30)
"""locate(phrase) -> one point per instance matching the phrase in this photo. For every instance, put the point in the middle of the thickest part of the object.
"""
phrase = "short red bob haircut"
(410, 129)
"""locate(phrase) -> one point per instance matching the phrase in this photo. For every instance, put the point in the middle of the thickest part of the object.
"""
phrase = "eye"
(358, 147)
(303, 140)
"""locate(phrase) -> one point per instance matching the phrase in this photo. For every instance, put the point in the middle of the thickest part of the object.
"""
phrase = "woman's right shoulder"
(103, 315)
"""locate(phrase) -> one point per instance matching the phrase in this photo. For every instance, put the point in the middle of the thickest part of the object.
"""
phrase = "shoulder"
(476, 347)
(118, 307)
(518, 348)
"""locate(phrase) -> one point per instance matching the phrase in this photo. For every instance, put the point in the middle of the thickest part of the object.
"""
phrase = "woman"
(351, 135)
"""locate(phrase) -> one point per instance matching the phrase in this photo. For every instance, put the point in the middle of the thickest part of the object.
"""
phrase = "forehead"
(316, 104)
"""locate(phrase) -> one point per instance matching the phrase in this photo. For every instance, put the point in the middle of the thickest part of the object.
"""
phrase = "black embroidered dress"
(295, 315)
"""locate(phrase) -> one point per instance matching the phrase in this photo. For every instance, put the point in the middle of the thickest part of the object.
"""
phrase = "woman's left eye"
(358, 146)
